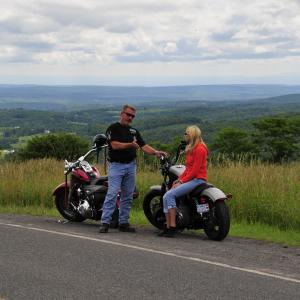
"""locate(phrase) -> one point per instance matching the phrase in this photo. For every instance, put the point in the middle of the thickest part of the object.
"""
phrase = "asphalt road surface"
(46, 258)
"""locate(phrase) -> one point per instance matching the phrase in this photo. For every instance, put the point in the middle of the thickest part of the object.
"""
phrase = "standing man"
(123, 143)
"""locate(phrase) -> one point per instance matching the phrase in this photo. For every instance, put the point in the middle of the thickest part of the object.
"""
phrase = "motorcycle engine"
(84, 209)
(183, 219)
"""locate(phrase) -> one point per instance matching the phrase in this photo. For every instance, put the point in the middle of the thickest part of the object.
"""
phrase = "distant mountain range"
(62, 98)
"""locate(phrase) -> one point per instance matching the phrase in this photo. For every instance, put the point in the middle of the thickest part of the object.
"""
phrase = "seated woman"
(194, 174)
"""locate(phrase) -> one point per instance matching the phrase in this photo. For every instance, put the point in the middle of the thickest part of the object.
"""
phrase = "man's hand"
(135, 145)
(151, 151)
(160, 153)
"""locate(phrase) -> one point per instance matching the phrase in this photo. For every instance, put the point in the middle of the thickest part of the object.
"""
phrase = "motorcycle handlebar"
(164, 160)
(69, 166)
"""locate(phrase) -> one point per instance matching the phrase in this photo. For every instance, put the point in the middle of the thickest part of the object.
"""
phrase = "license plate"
(202, 208)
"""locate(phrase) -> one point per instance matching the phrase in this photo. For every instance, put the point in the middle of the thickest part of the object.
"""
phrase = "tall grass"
(29, 183)
(269, 194)
(266, 194)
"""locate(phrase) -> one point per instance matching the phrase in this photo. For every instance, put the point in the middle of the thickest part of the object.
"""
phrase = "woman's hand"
(176, 184)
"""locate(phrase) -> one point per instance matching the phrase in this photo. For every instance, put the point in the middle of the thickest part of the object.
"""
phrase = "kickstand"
(63, 221)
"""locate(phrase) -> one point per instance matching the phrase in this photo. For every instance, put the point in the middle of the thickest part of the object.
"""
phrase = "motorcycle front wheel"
(153, 209)
(218, 224)
(65, 210)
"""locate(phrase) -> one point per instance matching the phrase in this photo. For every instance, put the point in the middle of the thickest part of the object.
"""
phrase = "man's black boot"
(126, 228)
(104, 228)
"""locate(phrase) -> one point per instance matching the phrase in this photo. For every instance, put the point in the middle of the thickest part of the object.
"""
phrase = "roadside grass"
(265, 202)
(266, 233)
(30, 210)
(262, 193)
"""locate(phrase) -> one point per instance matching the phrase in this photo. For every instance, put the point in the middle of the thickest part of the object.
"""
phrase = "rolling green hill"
(158, 122)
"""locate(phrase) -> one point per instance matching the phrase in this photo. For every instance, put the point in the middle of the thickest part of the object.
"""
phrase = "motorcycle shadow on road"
(92, 227)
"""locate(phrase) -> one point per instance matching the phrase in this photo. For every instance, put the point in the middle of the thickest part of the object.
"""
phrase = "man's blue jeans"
(121, 177)
(169, 199)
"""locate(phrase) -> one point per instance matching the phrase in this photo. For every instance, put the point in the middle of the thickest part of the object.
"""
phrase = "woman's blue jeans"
(121, 177)
(169, 198)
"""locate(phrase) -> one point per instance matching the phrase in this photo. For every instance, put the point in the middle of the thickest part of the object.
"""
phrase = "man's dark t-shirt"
(123, 134)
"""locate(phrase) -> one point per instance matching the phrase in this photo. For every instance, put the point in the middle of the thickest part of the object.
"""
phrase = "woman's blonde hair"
(195, 137)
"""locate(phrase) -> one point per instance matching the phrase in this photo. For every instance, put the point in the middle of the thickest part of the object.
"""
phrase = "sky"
(149, 42)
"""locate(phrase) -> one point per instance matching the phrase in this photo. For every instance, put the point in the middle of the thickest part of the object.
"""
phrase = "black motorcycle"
(82, 196)
(203, 208)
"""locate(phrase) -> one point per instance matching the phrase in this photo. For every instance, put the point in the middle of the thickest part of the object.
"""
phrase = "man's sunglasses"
(129, 115)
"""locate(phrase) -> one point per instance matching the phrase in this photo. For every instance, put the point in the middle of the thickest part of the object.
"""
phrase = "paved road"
(42, 258)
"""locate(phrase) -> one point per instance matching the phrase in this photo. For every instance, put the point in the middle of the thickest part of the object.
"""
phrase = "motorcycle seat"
(199, 189)
(100, 180)
(91, 189)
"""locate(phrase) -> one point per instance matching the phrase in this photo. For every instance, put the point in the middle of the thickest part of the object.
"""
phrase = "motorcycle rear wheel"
(67, 212)
(218, 225)
(153, 209)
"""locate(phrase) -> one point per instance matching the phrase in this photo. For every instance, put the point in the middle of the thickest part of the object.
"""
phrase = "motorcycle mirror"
(182, 145)
(66, 164)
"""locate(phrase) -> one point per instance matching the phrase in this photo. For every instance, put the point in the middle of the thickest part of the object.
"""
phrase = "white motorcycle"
(203, 208)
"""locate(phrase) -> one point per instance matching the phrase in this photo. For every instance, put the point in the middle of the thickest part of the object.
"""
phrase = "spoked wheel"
(218, 224)
(66, 210)
(153, 209)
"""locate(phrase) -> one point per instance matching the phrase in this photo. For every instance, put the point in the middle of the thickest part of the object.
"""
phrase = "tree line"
(158, 122)
(273, 139)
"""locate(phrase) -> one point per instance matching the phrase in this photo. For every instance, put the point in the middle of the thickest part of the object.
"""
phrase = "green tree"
(61, 146)
(232, 142)
(277, 138)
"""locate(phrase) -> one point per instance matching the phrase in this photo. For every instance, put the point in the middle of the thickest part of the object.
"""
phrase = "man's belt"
(121, 161)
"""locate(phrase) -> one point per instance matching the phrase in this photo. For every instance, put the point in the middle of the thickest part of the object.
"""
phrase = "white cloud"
(122, 34)
(170, 47)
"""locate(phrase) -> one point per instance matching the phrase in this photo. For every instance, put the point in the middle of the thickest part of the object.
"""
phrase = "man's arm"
(120, 146)
(151, 151)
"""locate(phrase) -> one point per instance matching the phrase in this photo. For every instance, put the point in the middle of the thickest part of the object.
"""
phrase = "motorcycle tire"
(67, 213)
(153, 210)
(218, 224)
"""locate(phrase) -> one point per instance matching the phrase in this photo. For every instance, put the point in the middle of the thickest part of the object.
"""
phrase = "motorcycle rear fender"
(214, 194)
(155, 188)
(60, 188)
